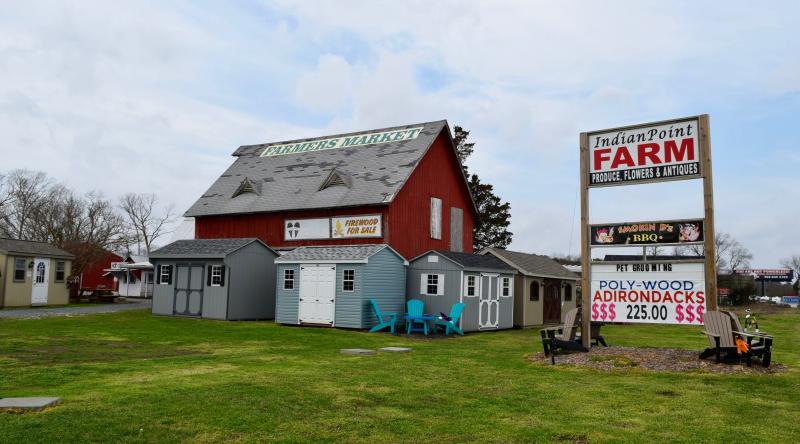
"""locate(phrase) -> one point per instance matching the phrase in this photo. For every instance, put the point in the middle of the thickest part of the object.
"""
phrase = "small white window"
(216, 275)
(288, 279)
(349, 280)
(436, 218)
(432, 284)
(165, 277)
(506, 286)
(470, 284)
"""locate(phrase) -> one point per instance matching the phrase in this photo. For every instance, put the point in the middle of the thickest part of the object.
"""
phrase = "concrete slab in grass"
(357, 351)
(34, 404)
(394, 349)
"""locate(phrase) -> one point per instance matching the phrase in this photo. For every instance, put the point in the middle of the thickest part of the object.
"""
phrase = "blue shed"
(332, 286)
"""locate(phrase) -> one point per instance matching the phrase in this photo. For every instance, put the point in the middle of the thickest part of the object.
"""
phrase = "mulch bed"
(654, 359)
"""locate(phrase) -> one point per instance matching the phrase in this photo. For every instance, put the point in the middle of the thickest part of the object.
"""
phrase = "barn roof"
(531, 264)
(316, 176)
(201, 248)
(471, 260)
(32, 248)
(344, 253)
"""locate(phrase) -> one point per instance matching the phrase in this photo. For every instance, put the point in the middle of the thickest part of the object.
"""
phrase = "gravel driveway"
(26, 313)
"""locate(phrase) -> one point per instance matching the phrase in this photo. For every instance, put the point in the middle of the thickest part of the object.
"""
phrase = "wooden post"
(710, 246)
(586, 291)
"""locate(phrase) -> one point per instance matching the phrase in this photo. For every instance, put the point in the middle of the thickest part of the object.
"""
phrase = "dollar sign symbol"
(689, 315)
(611, 310)
(603, 313)
(594, 311)
(700, 314)
(679, 313)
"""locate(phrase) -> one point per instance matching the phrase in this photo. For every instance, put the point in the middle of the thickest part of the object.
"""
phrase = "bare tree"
(145, 222)
(793, 263)
(731, 254)
(24, 193)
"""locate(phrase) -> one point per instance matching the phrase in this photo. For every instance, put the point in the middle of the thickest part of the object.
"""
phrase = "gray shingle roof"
(202, 247)
(32, 248)
(332, 254)
(533, 264)
(475, 261)
(375, 173)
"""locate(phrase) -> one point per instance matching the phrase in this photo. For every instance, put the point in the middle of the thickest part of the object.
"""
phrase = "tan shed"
(33, 273)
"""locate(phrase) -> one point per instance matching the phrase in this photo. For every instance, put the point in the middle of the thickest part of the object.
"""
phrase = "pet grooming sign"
(654, 291)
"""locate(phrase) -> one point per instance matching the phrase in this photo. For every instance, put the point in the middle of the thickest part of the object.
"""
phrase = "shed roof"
(369, 174)
(531, 264)
(471, 260)
(344, 253)
(33, 248)
(210, 248)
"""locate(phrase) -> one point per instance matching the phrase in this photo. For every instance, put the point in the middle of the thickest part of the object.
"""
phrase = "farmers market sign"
(342, 142)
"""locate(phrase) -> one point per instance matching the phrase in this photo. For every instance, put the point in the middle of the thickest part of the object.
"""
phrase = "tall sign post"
(648, 291)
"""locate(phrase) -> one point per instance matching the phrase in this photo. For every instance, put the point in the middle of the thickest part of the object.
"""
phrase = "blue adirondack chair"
(384, 319)
(452, 324)
(415, 311)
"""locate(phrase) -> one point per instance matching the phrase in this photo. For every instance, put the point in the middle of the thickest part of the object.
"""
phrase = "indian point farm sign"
(644, 154)
(342, 142)
(648, 292)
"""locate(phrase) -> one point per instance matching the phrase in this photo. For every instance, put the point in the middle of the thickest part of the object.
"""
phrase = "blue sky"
(154, 96)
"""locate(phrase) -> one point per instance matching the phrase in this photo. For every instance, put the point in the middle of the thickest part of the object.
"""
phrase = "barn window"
(568, 292)
(165, 275)
(349, 280)
(288, 279)
(19, 269)
(60, 271)
(246, 186)
(534, 295)
(432, 284)
(470, 286)
(216, 275)
(436, 218)
(506, 287)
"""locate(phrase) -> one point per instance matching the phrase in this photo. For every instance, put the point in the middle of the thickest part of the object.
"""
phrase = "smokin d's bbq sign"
(644, 154)
(648, 233)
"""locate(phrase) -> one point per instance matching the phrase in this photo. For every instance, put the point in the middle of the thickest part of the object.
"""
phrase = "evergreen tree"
(495, 215)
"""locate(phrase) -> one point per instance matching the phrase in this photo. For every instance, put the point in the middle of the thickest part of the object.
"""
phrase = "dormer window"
(247, 186)
(334, 179)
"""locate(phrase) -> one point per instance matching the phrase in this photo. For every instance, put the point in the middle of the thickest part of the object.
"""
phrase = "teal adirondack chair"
(384, 319)
(452, 324)
(415, 311)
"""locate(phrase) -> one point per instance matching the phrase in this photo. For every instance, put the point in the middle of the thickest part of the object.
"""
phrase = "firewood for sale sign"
(648, 292)
(647, 153)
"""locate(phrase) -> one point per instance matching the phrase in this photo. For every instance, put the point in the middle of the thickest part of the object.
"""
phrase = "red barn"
(401, 186)
(96, 278)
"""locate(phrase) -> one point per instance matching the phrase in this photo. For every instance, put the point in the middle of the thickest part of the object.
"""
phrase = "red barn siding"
(92, 277)
(406, 220)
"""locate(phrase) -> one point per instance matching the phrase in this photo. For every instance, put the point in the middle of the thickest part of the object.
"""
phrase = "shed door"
(188, 289)
(41, 275)
(317, 294)
(489, 302)
(552, 303)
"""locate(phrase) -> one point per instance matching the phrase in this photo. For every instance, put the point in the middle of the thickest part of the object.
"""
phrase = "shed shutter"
(169, 274)
(222, 278)
(208, 276)
(436, 218)
(423, 284)
(158, 274)
(440, 286)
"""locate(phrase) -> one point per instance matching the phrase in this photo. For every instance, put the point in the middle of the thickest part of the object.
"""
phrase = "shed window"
(19, 269)
(288, 279)
(436, 218)
(60, 271)
(534, 296)
(349, 280)
(432, 284)
(470, 284)
(506, 287)
(40, 270)
(165, 275)
(216, 275)
(568, 292)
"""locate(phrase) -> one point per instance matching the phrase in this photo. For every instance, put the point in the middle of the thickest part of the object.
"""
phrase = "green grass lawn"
(133, 377)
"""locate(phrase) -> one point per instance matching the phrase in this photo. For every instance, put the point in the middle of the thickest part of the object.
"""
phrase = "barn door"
(489, 302)
(552, 303)
(188, 289)
(41, 274)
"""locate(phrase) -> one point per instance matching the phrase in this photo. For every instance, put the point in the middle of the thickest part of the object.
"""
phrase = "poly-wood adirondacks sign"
(655, 291)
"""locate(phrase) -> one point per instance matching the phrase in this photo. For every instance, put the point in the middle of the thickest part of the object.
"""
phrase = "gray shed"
(483, 283)
(228, 279)
(332, 286)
